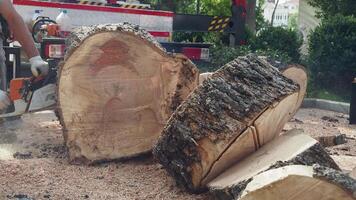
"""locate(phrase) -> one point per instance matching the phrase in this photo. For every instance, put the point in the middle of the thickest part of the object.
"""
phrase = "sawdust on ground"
(33, 162)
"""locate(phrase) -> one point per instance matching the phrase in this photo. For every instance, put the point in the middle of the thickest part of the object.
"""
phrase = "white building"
(283, 11)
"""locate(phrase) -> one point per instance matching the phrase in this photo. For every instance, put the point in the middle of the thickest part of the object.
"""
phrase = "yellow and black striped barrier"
(203, 23)
(129, 6)
(133, 6)
(219, 24)
(92, 3)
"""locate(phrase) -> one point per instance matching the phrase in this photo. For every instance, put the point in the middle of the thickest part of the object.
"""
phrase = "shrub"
(330, 8)
(220, 55)
(279, 39)
(332, 53)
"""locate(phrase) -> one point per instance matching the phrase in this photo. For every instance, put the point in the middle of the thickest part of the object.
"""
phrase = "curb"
(326, 105)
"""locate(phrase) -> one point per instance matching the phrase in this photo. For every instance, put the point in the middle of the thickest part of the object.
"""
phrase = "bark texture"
(295, 72)
(117, 88)
(337, 177)
(315, 155)
(216, 114)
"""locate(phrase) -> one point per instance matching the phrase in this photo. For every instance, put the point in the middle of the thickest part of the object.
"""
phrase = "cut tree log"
(332, 140)
(291, 148)
(117, 89)
(233, 113)
(299, 182)
(295, 72)
(298, 74)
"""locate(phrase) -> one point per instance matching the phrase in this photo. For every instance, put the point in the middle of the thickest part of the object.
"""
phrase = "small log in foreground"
(332, 140)
(300, 182)
(291, 148)
(233, 113)
(117, 89)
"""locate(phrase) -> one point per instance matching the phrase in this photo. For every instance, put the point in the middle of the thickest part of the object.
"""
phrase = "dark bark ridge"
(337, 177)
(220, 110)
(315, 155)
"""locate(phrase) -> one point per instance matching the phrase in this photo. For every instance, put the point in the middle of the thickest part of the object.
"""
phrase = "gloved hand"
(38, 66)
(4, 101)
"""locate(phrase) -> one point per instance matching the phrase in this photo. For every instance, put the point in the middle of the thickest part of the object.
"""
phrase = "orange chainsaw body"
(16, 88)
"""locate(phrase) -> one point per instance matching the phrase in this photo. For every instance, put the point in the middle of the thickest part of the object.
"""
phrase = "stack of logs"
(120, 94)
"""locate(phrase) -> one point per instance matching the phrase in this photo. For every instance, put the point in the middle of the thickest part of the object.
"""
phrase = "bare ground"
(321, 123)
(33, 162)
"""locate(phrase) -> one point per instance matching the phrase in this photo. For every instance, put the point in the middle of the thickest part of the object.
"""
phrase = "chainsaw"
(32, 94)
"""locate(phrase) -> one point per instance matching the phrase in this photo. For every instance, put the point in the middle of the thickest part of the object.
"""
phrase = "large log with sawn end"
(117, 88)
(233, 113)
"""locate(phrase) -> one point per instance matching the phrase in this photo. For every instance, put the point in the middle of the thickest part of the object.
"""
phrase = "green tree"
(332, 52)
(260, 20)
(293, 21)
(216, 7)
(329, 8)
(170, 5)
(279, 39)
(206, 7)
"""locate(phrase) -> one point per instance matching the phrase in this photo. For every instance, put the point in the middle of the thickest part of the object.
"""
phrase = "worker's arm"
(21, 34)
(18, 28)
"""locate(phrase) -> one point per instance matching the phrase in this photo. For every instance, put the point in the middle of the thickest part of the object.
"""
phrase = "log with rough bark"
(204, 76)
(291, 148)
(295, 72)
(233, 113)
(332, 140)
(298, 182)
(117, 89)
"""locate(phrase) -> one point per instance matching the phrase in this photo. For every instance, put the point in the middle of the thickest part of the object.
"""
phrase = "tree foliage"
(206, 7)
(220, 55)
(293, 21)
(332, 49)
(329, 8)
(260, 20)
(279, 39)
